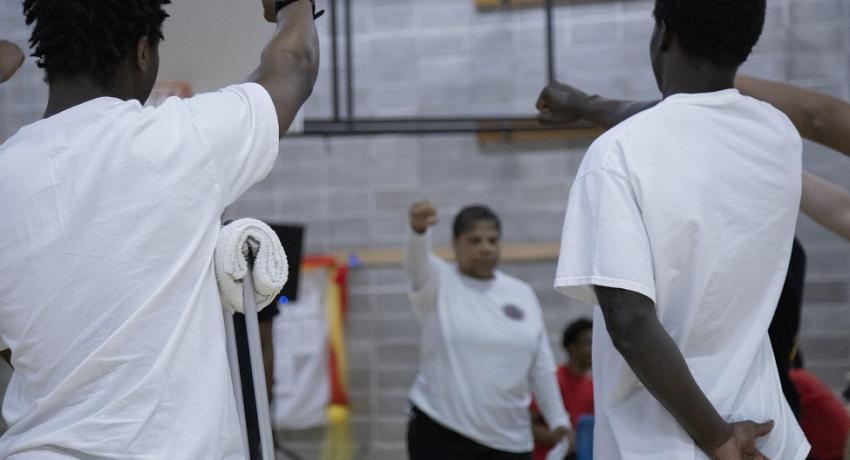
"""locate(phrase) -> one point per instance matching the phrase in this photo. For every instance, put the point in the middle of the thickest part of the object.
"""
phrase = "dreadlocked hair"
(89, 38)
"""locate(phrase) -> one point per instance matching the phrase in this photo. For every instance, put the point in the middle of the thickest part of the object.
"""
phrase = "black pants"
(428, 440)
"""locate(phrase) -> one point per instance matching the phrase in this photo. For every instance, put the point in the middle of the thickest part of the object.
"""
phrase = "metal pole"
(252, 326)
(233, 360)
(349, 66)
(335, 61)
(550, 43)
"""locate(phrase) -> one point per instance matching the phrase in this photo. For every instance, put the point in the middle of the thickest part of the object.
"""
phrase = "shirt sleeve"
(239, 124)
(604, 240)
(422, 271)
(544, 383)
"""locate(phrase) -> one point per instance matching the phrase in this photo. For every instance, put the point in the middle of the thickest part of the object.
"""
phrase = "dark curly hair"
(467, 217)
(574, 330)
(73, 38)
(721, 31)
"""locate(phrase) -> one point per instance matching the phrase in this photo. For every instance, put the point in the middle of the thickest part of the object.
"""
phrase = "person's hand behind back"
(742, 444)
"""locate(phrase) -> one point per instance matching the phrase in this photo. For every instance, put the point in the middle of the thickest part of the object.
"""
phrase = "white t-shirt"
(108, 299)
(484, 350)
(693, 204)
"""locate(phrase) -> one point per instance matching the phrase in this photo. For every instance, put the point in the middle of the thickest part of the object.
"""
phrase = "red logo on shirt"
(513, 312)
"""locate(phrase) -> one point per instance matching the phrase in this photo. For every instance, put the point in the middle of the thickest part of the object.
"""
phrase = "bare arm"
(607, 113)
(658, 363)
(562, 104)
(417, 260)
(827, 204)
(11, 58)
(289, 63)
(820, 118)
(544, 383)
(555, 423)
(540, 430)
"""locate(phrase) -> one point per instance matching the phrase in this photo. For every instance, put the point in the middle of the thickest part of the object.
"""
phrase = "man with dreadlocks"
(107, 292)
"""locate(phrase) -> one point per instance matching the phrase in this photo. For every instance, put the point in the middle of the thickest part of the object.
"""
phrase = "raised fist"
(560, 104)
(422, 215)
(268, 11)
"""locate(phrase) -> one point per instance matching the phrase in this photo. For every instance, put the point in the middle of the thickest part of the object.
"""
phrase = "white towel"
(231, 263)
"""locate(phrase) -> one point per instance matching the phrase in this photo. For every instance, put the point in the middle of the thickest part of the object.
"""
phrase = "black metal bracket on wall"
(350, 125)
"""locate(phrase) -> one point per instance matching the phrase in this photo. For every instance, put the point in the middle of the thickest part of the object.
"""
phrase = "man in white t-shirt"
(108, 300)
(679, 225)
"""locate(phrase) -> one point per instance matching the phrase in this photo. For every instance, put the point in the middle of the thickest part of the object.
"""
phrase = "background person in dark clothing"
(786, 323)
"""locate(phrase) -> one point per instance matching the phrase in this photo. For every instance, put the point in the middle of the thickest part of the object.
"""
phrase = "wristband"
(281, 4)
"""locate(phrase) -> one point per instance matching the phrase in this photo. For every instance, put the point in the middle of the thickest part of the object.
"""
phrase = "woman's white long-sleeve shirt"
(485, 351)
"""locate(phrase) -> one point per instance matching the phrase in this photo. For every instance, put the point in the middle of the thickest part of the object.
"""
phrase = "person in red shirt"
(823, 418)
(575, 382)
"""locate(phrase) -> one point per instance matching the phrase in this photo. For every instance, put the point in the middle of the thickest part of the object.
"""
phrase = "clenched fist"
(422, 215)
(268, 11)
(560, 104)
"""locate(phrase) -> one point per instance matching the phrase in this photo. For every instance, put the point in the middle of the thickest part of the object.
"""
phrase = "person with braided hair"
(108, 299)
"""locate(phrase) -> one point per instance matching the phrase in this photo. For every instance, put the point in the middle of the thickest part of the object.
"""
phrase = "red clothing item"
(824, 420)
(577, 393)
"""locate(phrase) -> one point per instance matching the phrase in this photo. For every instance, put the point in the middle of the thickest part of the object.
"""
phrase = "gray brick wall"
(441, 57)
